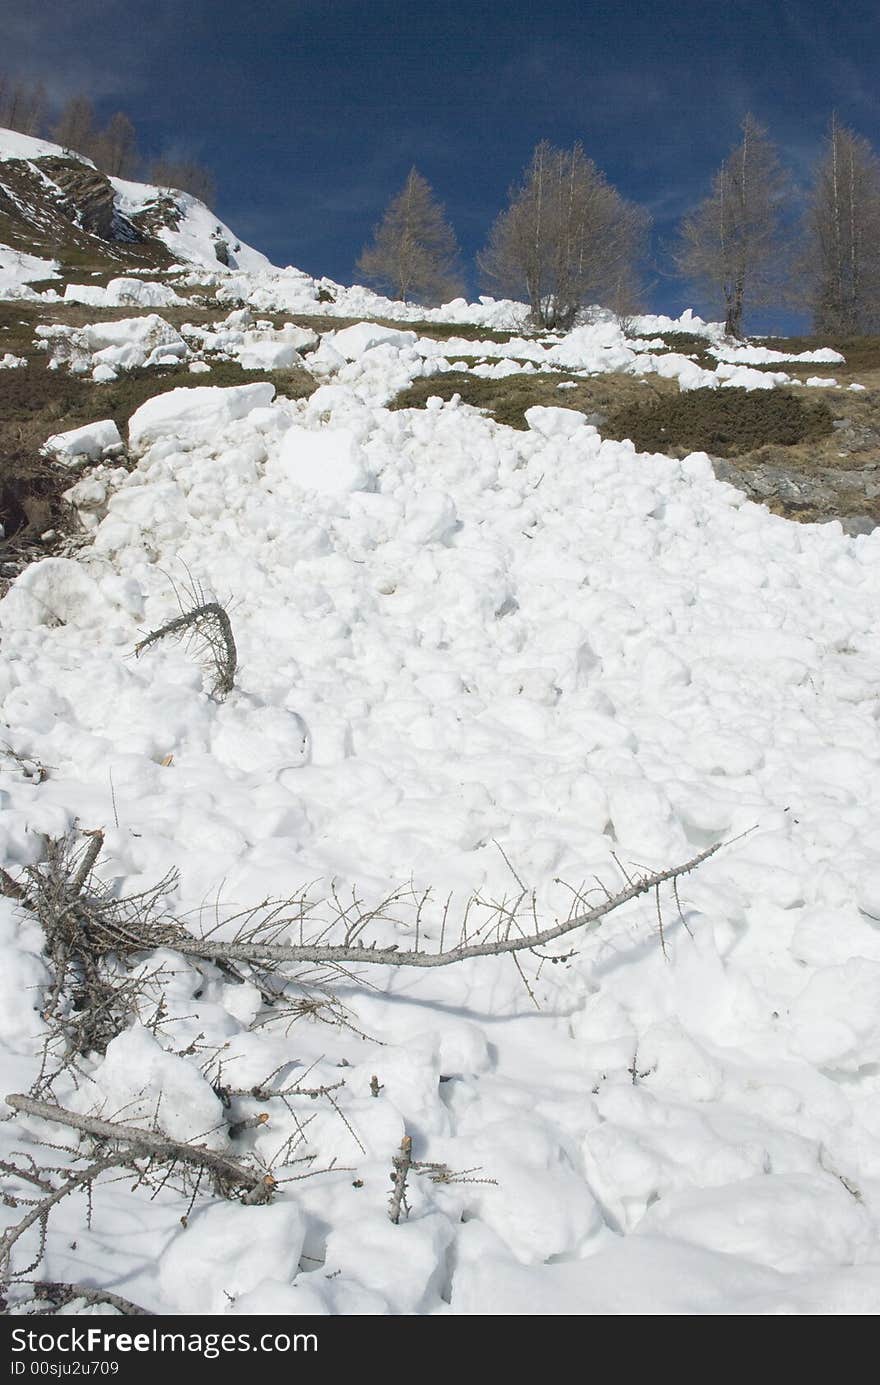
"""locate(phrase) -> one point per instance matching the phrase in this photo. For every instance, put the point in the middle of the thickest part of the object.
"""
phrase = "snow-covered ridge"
(16, 146)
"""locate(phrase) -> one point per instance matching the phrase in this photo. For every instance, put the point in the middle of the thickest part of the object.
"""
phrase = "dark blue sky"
(311, 112)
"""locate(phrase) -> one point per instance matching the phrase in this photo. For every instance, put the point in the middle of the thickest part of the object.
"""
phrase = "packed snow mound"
(105, 348)
(291, 290)
(762, 355)
(453, 637)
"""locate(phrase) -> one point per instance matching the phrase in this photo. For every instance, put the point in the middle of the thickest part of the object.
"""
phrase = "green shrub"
(722, 422)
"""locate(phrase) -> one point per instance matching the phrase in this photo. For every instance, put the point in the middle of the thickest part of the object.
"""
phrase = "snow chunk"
(554, 422)
(330, 461)
(87, 444)
(195, 411)
(228, 1250)
(56, 591)
(138, 1077)
(126, 344)
(124, 292)
(353, 341)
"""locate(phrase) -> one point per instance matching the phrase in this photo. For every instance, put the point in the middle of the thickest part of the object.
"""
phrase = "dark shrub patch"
(722, 422)
(684, 343)
(31, 488)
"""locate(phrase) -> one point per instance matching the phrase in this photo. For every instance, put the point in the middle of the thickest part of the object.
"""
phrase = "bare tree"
(842, 260)
(75, 127)
(414, 253)
(567, 236)
(22, 106)
(732, 244)
(184, 176)
(114, 150)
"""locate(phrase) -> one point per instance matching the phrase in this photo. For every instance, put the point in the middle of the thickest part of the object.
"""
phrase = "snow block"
(330, 461)
(199, 411)
(352, 342)
(87, 444)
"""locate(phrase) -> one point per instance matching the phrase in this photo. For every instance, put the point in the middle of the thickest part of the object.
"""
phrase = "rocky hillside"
(58, 207)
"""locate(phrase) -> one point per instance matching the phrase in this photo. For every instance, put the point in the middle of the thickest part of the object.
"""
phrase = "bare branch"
(210, 620)
(256, 1184)
(59, 1295)
(252, 949)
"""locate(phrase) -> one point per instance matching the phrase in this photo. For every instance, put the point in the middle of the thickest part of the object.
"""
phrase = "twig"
(41, 1211)
(402, 1163)
(210, 620)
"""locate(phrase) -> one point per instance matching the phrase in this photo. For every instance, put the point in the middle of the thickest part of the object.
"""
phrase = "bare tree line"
(112, 147)
(568, 238)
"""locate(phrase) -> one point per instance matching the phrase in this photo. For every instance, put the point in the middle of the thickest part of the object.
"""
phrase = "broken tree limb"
(401, 1165)
(211, 621)
(342, 954)
(256, 1185)
(40, 1212)
(59, 1295)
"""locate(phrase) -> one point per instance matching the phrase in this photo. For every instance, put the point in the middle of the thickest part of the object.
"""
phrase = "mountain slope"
(54, 203)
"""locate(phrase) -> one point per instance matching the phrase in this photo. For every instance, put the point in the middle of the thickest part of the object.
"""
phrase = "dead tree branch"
(59, 1295)
(40, 1212)
(210, 622)
(401, 1165)
(252, 949)
(255, 1185)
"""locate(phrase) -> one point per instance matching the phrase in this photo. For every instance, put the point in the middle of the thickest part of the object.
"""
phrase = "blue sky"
(311, 112)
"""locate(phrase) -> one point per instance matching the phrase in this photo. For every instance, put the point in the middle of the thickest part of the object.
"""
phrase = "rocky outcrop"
(88, 200)
(817, 494)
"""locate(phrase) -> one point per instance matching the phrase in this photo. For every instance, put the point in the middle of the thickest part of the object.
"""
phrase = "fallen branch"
(40, 1213)
(59, 1295)
(255, 1185)
(253, 950)
(211, 621)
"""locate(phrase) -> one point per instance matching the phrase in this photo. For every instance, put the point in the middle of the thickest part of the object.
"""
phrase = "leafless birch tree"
(567, 236)
(732, 245)
(842, 262)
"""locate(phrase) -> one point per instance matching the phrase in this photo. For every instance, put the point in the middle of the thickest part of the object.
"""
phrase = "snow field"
(454, 637)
